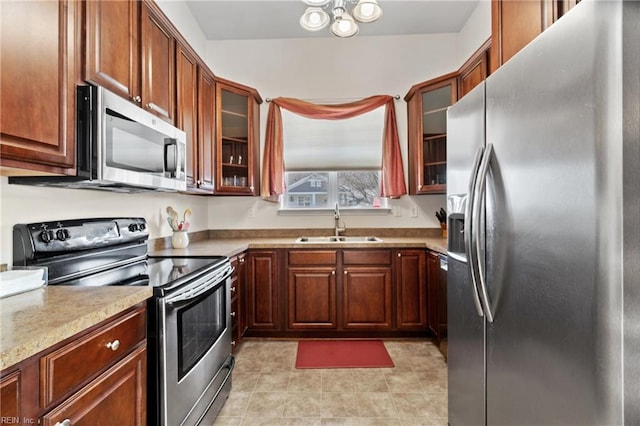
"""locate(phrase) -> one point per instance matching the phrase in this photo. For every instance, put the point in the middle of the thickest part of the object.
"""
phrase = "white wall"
(476, 31)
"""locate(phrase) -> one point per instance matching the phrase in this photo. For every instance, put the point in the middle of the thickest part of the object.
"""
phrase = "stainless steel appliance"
(543, 192)
(189, 324)
(120, 147)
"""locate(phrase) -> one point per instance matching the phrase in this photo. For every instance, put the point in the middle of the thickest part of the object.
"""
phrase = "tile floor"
(269, 390)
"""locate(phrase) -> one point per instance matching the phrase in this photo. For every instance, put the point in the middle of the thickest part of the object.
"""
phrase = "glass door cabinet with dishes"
(427, 105)
(237, 141)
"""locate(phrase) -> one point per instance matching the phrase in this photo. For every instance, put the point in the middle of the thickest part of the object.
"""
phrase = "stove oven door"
(195, 344)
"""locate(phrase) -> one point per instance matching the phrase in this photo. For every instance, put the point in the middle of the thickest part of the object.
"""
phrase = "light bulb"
(367, 9)
(344, 25)
(314, 18)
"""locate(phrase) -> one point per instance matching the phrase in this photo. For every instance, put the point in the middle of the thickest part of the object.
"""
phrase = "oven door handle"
(190, 293)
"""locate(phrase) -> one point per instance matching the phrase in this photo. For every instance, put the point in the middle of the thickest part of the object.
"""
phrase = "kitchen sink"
(340, 239)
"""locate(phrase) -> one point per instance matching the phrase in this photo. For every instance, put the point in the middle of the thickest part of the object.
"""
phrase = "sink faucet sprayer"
(336, 217)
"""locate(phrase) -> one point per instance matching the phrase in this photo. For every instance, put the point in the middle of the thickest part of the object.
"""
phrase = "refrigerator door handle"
(480, 189)
(469, 229)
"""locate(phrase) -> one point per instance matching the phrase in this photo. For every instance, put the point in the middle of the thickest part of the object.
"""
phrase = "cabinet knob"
(149, 105)
(233, 314)
(399, 254)
(345, 272)
(242, 260)
(199, 182)
(65, 422)
(233, 289)
(233, 343)
(333, 272)
(251, 188)
(114, 345)
(419, 186)
(138, 99)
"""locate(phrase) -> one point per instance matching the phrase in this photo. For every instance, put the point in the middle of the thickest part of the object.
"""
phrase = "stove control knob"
(46, 236)
(62, 234)
(142, 227)
(133, 227)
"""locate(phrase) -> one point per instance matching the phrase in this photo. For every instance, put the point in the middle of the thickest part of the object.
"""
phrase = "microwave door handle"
(170, 156)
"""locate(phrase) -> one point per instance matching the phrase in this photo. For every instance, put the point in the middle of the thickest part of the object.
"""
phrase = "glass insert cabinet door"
(237, 139)
(428, 103)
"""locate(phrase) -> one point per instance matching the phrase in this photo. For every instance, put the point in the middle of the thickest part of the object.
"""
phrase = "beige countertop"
(233, 246)
(37, 319)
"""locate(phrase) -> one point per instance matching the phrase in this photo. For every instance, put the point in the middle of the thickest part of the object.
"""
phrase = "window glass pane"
(358, 188)
(323, 189)
(307, 189)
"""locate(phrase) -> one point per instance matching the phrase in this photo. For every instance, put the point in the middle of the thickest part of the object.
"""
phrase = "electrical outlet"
(251, 212)
(397, 211)
(413, 212)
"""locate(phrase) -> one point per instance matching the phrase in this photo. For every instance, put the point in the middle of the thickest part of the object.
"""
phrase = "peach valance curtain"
(273, 164)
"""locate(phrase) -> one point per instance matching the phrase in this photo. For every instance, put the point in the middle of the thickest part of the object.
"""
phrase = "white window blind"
(348, 144)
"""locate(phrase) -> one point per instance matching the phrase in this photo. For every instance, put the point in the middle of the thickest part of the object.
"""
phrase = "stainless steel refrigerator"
(543, 190)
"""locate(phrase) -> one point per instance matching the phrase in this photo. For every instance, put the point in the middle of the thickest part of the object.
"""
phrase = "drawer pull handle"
(114, 345)
(233, 289)
(65, 422)
(233, 314)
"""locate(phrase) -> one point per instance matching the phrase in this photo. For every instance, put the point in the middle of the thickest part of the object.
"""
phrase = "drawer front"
(367, 257)
(67, 368)
(312, 257)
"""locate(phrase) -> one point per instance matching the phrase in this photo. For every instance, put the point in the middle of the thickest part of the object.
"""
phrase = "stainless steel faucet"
(336, 217)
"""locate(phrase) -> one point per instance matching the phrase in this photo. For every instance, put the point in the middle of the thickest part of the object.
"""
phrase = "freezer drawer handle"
(469, 227)
(481, 186)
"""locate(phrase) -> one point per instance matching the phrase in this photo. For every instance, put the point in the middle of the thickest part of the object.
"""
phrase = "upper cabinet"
(40, 65)
(158, 60)
(475, 70)
(514, 23)
(131, 52)
(237, 139)
(427, 105)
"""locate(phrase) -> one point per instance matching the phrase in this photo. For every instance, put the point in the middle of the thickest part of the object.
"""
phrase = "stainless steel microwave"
(121, 147)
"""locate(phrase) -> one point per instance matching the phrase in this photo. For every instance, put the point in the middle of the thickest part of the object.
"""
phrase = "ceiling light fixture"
(344, 25)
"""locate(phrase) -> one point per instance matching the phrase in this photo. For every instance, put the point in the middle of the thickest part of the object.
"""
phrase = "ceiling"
(269, 19)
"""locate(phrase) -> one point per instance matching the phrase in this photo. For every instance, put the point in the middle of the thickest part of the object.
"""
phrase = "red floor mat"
(342, 354)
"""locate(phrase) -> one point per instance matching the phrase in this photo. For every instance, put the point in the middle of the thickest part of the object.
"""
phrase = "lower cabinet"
(411, 289)
(94, 377)
(366, 302)
(263, 306)
(118, 395)
(312, 290)
(334, 292)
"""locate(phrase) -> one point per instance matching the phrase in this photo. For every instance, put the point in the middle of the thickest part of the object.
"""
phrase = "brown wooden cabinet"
(203, 155)
(366, 290)
(112, 53)
(158, 61)
(95, 375)
(187, 108)
(130, 50)
(237, 139)
(263, 304)
(514, 23)
(411, 289)
(427, 105)
(312, 289)
(475, 70)
(40, 68)
(238, 296)
(117, 396)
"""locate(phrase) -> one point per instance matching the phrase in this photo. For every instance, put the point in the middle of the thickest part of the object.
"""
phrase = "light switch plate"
(413, 212)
